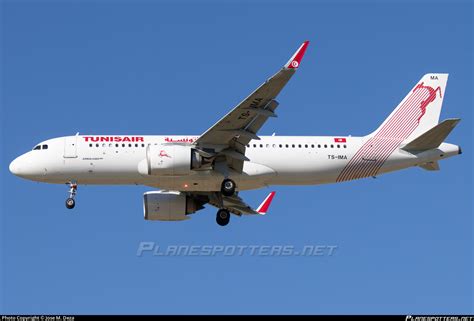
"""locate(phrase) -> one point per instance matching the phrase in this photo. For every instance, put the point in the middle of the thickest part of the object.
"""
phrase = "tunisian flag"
(339, 140)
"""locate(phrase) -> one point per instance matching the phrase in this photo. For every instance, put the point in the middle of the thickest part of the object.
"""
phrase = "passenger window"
(90, 145)
(116, 145)
(143, 145)
(254, 145)
(319, 145)
(281, 145)
(332, 146)
(325, 146)
(286, 145)
(312, 146)
(299, 145)
(305, 146)
(338, 146)
(261, 145)
(274, 145)
(96, 145)
(123, 145)
(136, 145)
(293, 145)
(344, 146)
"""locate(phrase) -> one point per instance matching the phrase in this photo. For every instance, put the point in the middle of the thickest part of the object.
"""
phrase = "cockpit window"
(38, 147)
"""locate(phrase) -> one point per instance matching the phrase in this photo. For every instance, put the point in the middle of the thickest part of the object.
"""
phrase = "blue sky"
(404, 240)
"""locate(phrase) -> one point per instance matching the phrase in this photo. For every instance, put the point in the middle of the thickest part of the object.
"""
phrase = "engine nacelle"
(172, 160)
(169, 206)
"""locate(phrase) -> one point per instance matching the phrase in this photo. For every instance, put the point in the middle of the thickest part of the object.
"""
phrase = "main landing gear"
(223, 217)
(228, 187)
(70, 202)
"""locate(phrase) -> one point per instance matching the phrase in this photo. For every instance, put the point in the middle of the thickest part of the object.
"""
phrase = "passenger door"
(70, 147)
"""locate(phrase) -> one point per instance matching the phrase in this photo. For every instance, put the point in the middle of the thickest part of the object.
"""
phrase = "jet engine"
(170, 206)
(172, 160)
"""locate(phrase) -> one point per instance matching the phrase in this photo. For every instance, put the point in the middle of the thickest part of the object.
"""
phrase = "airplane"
(191, 171)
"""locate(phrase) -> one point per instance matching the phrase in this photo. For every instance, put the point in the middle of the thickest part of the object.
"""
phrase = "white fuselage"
(273, 160)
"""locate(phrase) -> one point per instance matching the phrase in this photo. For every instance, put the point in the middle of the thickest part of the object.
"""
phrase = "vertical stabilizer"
(418, 112)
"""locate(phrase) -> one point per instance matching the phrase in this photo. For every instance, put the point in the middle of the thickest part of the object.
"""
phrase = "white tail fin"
(418, 112)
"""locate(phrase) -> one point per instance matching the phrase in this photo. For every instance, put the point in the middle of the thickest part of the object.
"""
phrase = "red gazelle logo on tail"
(427, 101)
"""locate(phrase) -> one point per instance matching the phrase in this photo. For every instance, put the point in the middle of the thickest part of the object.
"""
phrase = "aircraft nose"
(25, 166)
(14, 167)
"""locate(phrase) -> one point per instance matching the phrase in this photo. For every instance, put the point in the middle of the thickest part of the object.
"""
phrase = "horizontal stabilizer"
(432, 138)
(431, 166)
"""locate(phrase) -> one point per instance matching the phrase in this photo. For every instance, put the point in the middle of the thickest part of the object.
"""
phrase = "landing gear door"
(70, 147)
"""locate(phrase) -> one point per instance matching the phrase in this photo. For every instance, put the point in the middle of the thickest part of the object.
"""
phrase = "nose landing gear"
(70, 201)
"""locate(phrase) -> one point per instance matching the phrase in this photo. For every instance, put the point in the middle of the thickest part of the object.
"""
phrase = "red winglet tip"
(295, 60)
(263, 208)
